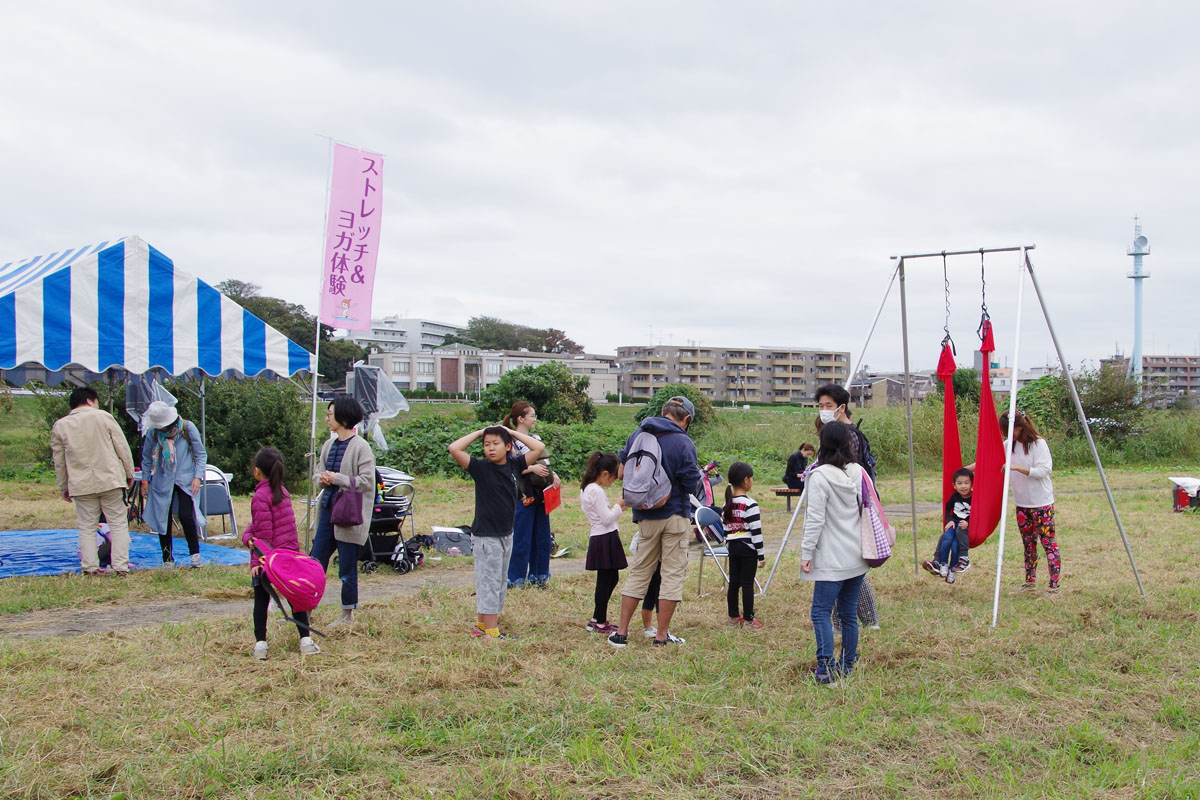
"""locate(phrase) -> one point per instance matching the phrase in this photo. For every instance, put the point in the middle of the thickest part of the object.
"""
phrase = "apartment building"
(395, 334)
(1165, 377)
(733, 374)
(466, 369)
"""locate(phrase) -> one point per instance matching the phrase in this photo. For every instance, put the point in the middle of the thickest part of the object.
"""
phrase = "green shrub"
(705, 415)
(558, 394)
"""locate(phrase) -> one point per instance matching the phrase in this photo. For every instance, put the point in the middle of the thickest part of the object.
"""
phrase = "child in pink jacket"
(273, 522)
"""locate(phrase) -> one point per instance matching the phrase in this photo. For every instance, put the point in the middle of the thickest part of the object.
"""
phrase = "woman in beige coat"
(349, 463)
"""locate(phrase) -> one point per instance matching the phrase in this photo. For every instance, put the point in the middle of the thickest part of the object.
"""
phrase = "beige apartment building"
(733, 374)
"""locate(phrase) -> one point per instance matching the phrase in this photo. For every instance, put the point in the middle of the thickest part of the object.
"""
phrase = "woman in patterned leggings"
(1033, 494)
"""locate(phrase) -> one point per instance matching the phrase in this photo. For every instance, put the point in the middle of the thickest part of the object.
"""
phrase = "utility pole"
(1141, 247)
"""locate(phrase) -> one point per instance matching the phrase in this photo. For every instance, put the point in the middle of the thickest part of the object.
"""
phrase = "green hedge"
(420, 446)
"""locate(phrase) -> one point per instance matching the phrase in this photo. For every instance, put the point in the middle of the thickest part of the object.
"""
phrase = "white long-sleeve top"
(600, 517)
(1035, 489)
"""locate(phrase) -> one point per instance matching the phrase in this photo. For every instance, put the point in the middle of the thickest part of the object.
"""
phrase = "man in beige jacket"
(93, 464)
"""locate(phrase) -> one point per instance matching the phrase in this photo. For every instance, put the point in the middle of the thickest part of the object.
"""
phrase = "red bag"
(552, 498)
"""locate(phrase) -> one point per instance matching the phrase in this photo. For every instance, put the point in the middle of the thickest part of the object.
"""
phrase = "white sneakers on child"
(308, 647)
(260, 651)
(196, 560)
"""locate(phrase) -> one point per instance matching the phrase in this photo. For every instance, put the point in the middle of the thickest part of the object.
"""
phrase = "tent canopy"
(127, 305)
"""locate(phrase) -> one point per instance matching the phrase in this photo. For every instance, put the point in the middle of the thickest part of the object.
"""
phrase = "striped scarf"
(164, 447)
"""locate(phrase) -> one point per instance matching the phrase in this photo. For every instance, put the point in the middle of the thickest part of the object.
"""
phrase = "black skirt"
(606, 552)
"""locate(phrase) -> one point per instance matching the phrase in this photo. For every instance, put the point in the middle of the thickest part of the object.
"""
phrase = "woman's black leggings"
(261, 598)
(187, 518)
(606, 582)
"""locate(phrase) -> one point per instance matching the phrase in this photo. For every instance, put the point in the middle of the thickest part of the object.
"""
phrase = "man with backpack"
(659, 469)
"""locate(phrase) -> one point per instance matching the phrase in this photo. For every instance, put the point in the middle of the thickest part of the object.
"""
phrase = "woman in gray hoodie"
(831, 549)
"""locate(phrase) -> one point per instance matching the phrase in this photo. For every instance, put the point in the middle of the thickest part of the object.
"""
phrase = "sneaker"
(734, 622)
(601, 627)
(824, 676)
(169, 564)
(932, 567)
(943, 570)
(196, 561)
(1028, 586)
(478, 632)
(754, 623)
(873, 626)
(650, 632)
(950, 576)
(617, 640)
(664, 642)
(963, 564)
(560, 552)
(673, 639)
(1053, 589)
(308, 647)
(260, 651)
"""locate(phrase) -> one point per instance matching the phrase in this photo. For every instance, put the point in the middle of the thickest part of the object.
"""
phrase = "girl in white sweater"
(605, 555)
(1033, 495)
(831, 549)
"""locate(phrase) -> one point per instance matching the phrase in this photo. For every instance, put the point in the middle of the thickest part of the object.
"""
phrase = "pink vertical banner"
(351, 238)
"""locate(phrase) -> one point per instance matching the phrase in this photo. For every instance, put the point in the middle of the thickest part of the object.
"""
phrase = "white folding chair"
(708, 523)
(215, 500)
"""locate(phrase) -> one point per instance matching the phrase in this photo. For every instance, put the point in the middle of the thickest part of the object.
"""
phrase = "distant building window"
(493, 368)
(424, 367)
(401, 367)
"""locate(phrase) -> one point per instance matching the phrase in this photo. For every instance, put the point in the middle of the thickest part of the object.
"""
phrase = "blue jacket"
(679, 462)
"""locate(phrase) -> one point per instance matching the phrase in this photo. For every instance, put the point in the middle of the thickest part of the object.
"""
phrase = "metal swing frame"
(1024, 266)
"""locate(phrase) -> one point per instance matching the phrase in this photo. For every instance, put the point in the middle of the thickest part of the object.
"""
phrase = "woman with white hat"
(173, 461)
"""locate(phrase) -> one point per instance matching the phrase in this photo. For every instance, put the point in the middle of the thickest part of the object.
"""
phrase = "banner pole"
(316, 371)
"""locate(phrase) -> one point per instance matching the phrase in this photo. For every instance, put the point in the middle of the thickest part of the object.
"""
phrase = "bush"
(624, 399)
(705, 416)
(557, 393)
(420, 446)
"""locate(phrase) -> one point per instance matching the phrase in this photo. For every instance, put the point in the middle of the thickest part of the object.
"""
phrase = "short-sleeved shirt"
(495, 494)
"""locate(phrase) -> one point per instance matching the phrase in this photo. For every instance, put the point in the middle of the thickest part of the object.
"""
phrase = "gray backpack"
(645, 485)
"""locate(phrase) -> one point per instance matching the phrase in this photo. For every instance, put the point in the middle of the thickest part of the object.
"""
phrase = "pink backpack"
(299, 578)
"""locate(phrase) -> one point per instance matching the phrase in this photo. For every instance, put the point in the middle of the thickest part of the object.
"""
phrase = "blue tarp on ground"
(56, 552)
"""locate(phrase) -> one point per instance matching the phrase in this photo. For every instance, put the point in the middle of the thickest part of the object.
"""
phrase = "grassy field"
(1091, 693)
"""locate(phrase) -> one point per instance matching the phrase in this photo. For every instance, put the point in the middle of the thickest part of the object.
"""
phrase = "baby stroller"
(385, 541)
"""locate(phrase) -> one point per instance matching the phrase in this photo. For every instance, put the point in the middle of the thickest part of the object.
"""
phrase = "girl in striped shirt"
(743, 537)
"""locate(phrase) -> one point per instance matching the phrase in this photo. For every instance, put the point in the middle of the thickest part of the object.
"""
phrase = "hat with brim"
(158, 415)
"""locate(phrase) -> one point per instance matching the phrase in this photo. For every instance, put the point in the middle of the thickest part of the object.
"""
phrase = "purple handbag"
(347, 508)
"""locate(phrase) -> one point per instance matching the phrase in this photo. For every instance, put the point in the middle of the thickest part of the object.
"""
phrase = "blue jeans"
(947, 549)
(322, 550)
(531, 546)
(845, 595)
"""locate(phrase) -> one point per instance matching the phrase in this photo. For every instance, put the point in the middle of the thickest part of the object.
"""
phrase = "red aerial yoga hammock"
(987, 502)
(951, 448)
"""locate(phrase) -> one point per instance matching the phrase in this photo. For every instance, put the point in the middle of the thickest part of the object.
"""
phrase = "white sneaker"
(650, 632)
(196, 561)
(673, 639)
(260, 651)
(308, 647)
(944, 570)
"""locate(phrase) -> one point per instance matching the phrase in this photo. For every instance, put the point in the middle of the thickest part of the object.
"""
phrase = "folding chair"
(708, 524)
(215, 501)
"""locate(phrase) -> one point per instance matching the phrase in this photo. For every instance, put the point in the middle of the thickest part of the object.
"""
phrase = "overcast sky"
(736, 174)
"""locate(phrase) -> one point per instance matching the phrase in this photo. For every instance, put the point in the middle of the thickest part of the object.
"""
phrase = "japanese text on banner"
(351, 238)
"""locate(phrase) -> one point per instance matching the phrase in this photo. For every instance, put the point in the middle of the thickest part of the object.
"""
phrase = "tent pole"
(1112, 504)
(1008, 441)
(204, 436)
(912, 480)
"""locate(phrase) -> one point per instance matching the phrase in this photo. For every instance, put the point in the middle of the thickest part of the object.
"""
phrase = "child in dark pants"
(606, 554)
(951, 555)
(272, 521)
(743, 537)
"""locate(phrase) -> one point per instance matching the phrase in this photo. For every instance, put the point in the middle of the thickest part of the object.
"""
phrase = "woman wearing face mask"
(833, 403)
(173, 461)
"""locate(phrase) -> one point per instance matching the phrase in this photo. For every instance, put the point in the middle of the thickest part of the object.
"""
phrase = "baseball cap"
(688, 406)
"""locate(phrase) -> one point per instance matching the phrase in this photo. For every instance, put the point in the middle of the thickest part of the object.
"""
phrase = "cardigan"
(1035, 489)
(357, 472)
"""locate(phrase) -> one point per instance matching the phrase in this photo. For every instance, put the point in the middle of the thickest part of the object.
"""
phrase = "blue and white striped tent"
(125, 304)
